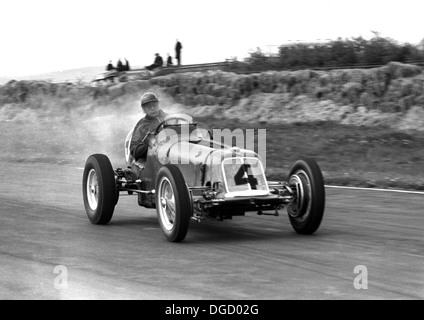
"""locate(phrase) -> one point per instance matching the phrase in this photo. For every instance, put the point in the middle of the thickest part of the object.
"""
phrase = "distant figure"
(110, 67)
(169, 61)
(127, 65)
(178, 48)
(157, 63)
(119, 66)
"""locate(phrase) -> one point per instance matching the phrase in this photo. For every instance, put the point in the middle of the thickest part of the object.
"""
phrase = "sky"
(41, 36)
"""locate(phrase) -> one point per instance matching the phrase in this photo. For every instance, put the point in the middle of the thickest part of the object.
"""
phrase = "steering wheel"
(158, 127)
(178, 118)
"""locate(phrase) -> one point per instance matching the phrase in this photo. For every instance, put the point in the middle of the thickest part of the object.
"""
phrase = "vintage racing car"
(187, 175)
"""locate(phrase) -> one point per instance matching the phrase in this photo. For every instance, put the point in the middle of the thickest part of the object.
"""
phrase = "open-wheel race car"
(187, 175)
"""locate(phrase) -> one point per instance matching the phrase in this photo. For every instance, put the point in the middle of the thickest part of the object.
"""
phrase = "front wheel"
(173, 203)
(99, 189)
(307, 210)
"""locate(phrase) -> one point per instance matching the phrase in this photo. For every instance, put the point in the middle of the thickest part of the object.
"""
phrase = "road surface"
(369, 246)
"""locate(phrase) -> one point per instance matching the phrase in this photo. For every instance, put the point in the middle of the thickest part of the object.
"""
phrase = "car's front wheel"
(173, 203)
(99, 189)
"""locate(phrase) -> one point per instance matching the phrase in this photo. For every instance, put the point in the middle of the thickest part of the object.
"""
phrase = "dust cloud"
(68, 133)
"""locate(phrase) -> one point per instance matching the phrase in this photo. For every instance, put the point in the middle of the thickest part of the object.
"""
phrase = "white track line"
(374, 189)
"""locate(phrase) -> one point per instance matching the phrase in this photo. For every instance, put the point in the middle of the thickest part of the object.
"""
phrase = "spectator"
(178, 48)
(169, 61)
(157, 63)
(110, 67)
(127, 65)
(120, 66)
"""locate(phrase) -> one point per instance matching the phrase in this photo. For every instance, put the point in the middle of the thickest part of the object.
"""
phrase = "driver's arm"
(138, 148)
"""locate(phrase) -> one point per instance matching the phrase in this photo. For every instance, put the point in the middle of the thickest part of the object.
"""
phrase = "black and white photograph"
(211, 155)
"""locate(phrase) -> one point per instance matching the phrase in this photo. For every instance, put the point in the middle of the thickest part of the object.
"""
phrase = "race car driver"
(154, 116)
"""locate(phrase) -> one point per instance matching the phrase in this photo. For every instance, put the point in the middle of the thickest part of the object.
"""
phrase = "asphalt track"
(43, 225)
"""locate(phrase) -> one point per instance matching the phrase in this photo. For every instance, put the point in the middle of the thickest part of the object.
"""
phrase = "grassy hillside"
(364, 127)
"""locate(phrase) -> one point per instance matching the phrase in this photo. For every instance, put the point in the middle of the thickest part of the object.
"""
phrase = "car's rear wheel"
(173, 203)
(307, 210)
(99, 189)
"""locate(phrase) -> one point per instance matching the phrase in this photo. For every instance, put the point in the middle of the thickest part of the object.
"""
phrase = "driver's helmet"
(148, 97)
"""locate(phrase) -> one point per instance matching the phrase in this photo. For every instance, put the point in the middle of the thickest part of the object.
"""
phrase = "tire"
(99, 189)
(173, 203)
(307, 211)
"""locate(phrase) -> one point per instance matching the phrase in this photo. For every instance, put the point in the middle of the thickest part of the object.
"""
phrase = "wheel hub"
(298, 207)
(167, 204)
(92, 189)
